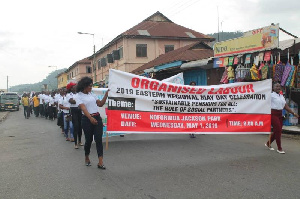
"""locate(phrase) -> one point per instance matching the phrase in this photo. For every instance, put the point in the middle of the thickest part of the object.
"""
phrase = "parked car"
(9, 101)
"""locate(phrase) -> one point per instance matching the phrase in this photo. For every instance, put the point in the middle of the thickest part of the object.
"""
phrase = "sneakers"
(281, 152)
(269, 147)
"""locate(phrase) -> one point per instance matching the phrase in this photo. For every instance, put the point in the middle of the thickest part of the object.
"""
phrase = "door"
(198, 76)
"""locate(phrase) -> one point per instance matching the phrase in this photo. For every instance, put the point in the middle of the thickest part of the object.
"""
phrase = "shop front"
(258, 55)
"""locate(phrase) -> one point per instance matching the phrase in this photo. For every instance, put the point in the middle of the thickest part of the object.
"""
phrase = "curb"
(290, 132)
(4, 116)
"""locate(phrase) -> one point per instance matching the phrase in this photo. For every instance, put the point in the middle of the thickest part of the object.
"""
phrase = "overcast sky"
(35, 34)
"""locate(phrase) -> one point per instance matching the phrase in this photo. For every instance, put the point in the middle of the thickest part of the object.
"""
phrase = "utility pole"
(7, 84)
(218, 24)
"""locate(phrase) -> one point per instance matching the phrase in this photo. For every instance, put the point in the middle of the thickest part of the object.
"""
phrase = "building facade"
(142, 43)
(79, 69)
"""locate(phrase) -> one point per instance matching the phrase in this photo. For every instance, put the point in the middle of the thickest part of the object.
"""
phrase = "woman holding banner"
(91, 121)
(278, 103)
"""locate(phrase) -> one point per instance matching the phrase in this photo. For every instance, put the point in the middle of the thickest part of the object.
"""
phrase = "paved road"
(36, 162)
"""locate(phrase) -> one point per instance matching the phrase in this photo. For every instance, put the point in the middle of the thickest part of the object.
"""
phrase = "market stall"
(258, 55)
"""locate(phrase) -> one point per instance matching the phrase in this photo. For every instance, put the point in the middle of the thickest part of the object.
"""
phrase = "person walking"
(278, 103)
(91, 120)
(52, 107)
(64, 105)
(76, 113)
(36, 103)
(26, 103)
(41, 106)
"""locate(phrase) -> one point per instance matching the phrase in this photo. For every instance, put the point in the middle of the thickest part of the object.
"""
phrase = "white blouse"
(63, 101)
(277, 101)
(89, 100)
(74, 96)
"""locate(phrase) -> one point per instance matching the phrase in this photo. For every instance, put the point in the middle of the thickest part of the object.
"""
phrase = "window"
(99, 63)
(121, 52)
(103, 61)
(169, 48)
(88, 69)
(141, 50)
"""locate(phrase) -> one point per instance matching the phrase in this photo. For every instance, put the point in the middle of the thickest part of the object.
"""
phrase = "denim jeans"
(68, 125)
(91, 130)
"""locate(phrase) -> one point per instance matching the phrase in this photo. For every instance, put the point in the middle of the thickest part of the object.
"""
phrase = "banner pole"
(106, 145)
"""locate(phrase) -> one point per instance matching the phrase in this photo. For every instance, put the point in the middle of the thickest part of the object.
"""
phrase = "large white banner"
(142, 105)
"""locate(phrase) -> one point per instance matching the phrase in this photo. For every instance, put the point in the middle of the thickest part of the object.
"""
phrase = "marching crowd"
(76, 110)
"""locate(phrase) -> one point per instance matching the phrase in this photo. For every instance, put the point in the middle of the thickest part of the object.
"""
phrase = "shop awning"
(288, 43)
(203, 63)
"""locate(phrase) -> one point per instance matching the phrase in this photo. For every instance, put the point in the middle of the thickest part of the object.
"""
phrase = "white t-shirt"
(74, 96)
(277, 101)
(51, 101)
(63, 101)
(56, 99)
(89, 100)
(41, 96)
(46, 99)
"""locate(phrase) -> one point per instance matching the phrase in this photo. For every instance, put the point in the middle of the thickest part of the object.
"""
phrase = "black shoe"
(121, 135)
(101, 167)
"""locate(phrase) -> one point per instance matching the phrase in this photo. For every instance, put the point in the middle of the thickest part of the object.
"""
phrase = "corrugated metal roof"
(158, 26)
(192, 52)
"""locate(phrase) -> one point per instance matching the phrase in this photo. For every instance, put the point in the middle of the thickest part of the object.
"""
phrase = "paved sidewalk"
(3, 115)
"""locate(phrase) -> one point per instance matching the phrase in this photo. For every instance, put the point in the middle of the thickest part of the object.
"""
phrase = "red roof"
(158, 25)
(192, 52)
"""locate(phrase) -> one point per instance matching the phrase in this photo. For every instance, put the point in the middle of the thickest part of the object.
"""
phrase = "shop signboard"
(261, 39)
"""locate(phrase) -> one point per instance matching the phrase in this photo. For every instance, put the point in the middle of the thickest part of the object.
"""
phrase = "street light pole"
(94, 51)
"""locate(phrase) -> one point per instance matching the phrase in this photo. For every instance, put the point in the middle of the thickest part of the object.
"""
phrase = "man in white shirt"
(41, 106)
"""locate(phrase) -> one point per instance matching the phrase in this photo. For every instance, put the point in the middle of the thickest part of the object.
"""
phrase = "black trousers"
(91, 130)
(36, 111)
(41, 109)
(51, 112)
(26, 111)
(46, 109)
(76, 120)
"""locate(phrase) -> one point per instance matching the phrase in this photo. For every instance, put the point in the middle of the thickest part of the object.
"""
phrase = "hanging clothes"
(279, 68)
(290, 76)
(285, 74)
(264, 70)
(254, 73)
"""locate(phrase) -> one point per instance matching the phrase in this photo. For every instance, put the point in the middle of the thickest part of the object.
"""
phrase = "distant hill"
(50, 81)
